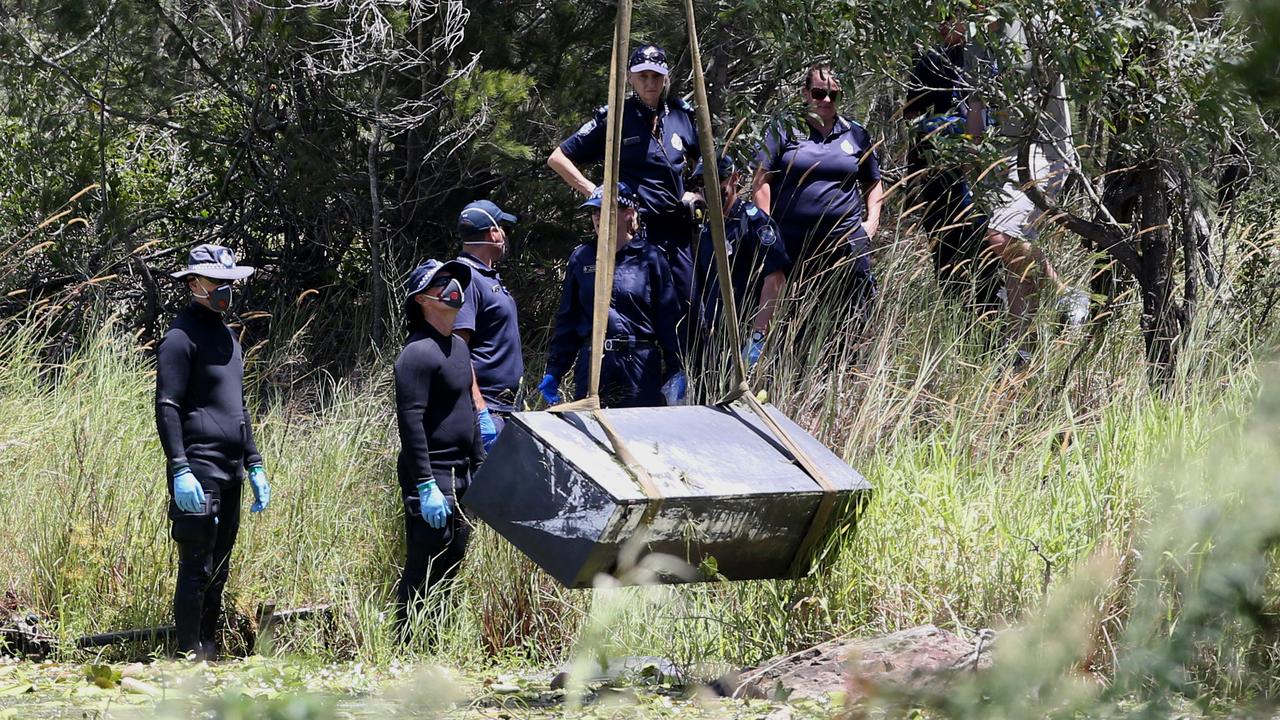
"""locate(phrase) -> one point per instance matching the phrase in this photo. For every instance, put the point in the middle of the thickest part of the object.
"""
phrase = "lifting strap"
(715, 215)
(606, 245)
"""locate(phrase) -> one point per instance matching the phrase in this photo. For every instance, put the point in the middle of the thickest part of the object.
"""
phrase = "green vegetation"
(1114, 503)
(992, 489)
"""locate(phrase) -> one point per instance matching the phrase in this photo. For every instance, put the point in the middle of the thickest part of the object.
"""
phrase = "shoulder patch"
(752, 210)
(682, 104)
(768, 236)
(847, 147)
(587, 127)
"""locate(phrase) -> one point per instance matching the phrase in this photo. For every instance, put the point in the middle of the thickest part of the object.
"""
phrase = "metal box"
(554, 489)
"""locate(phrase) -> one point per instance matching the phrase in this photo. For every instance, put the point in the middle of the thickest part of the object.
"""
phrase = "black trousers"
(674, 234)
(957, 229)
(432, 555)
(628, 378)
(205, 540)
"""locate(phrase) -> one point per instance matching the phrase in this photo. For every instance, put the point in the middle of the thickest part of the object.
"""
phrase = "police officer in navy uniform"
(821, 183)
(941, 106)
(488, 321)
(440, 443)
(758, 261)
(641, 363)
(207, 437)
(659, 136)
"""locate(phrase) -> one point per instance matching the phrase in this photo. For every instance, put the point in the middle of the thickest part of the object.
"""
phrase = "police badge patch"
(768, 236)
(847, 147)
(676, 142)
(224, 257)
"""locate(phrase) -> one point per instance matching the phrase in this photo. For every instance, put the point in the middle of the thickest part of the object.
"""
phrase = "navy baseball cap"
(649, 57)
(626, 197)
(482, 215)
(421, 277)
(724, 166)
(213, 261)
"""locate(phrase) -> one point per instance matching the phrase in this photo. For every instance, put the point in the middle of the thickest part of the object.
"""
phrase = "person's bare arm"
(572, 176)
(875, 201)
(976, 122)
(762, 194)
(770, 292)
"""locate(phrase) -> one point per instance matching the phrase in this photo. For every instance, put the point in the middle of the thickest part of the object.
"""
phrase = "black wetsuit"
(440, 440)
(204, 424)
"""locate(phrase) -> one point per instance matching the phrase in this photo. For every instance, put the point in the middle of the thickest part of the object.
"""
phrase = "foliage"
(331, 144)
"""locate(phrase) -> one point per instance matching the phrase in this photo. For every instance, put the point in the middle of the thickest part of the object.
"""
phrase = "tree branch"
(195, 55)
(101, 102)
(1106, 238)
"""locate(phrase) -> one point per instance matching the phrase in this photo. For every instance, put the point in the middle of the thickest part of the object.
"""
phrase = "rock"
(137, 687)
(920, 657)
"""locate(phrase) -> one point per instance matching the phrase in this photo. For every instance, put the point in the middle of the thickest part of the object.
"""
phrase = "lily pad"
(104, 676)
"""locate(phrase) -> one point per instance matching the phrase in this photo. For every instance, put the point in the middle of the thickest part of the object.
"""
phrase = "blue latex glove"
(550, 389)
(187, 492)
(261, 488)
(675, 389)
(434, 505)
(754, 349)
(488, 428)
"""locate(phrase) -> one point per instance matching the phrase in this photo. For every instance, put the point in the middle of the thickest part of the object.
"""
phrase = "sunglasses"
(819, 94)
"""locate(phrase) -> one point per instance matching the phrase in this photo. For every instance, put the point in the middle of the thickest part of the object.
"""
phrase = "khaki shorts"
(1013, 213)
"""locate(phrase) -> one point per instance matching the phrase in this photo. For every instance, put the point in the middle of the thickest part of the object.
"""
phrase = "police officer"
(207, 437)
(440, 440)
(659, 136)
(758, 261)
(941, 104)
(487, 321)
(821, 184)
(641, 364)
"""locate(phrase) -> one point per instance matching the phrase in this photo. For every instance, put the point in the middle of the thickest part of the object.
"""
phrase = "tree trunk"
(377, 289)
(1161, 316)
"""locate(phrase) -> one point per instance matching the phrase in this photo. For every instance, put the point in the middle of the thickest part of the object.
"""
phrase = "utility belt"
(626, 343)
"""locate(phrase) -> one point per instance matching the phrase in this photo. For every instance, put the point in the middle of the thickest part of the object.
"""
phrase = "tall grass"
(990, 487)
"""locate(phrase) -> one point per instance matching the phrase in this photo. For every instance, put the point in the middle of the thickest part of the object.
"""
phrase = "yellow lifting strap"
(715, 215)
(606, 245)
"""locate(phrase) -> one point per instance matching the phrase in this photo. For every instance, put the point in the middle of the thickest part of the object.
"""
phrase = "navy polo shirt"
(817, 184)
(755, 251)
(489, 312)
(653, 156)
(643, 305)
